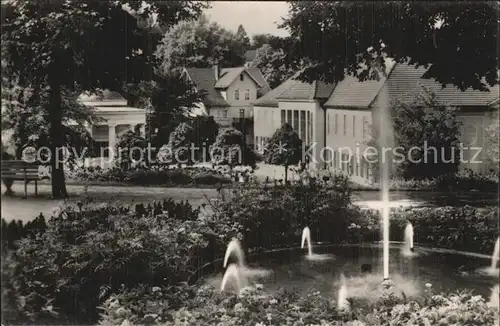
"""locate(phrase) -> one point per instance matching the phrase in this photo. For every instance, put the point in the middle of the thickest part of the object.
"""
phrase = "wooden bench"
(19, 170)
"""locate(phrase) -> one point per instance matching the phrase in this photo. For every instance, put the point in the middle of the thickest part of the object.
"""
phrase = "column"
(142, 129)
(111, 139)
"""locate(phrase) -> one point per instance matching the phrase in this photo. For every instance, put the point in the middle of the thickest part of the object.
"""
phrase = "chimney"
(216, 71)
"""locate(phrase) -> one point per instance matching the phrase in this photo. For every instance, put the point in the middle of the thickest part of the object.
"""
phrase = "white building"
(341, 116)
(114, 117)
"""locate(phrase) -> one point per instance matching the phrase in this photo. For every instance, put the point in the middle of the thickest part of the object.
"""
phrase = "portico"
(114, 118)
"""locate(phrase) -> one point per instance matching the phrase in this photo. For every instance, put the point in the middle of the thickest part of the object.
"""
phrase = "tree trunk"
(286, 174)
(56, 139)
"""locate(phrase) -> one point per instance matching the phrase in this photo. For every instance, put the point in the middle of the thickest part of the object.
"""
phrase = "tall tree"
(243, 39)
(79, 45)
(198, 43)
(258, 40)
(284, 148)
(458, 39)
(231, 149)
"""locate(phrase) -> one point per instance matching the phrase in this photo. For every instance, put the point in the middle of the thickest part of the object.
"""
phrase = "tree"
(258, 40)
(458, 39)
(170, 98)
(492, 140)
(284, 148)
(132, 144)
(231, 149)
(272, 63)
(199, 44)
(80, 46)
(243, 39)
(178, 149)
(205, 133)
(420, 127)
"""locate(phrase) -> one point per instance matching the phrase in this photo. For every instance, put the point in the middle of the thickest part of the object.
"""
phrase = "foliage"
(272, 62)
(25, 114)
(256, 307)
(78, 46)
(231, 149)
(87, 254)
(199, 43)
(493, 139)
(169, 98)
(275, 217)
(152, 176)
(205, 133)
(179, 147)
(258, 40)
(243, 39)
(133, 147)
(458, 228)
(284, 148)
(333, 37)
(426, 138)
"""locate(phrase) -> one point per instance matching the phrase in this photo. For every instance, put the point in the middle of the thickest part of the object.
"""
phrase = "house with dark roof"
(228, 92)
(297, 103)
(339, 117)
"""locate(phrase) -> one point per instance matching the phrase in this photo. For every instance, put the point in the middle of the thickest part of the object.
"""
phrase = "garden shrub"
(86, 255)
(255, 307)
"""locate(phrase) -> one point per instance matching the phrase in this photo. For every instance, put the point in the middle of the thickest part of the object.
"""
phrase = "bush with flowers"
(253, 306)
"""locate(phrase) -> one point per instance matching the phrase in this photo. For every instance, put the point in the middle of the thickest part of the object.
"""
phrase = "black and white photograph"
(250, 163)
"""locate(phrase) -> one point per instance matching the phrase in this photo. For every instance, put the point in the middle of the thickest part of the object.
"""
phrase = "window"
(302, 125)
(289, 117)
(247, 94)
(336, 124)
(283, 117)
(309, 127)
(242, 113)
(241, 77)
(345, 124)
(356, 163)
(224, 113)
(296, 121)
(236, 94)
(354, 126)
(364, 127)
(362, 167)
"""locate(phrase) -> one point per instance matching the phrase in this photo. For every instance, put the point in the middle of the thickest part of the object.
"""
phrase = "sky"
(257, 17)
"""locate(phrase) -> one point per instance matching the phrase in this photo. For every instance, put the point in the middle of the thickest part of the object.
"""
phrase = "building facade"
(341, 125)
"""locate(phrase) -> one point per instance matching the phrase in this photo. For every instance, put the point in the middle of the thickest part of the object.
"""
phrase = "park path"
(26, 209)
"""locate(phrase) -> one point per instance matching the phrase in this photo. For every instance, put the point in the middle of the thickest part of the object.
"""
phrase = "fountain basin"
(445, 270)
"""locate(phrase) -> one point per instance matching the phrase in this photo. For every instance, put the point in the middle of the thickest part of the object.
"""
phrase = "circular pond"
(360, 269)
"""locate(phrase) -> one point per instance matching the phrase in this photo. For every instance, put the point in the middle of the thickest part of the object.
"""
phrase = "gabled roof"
(351, 93)
(229, 75)
(204, 80)
(269, 99)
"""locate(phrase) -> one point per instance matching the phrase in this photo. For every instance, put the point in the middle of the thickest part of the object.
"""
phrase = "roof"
(250, 55)
(405, 81)
(300, 90)
(105, 98)
(229, 75)
(204, 80)
(269, 99)
(350, 92)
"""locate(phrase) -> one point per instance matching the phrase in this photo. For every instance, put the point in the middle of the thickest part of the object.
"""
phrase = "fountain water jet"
(342, 302)
(233, 273)
(496, 253)
(234, 247)
(386, 141)
(407, 249)
(306, 237)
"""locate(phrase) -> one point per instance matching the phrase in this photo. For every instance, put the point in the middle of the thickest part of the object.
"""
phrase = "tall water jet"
(306, 237)
(386, 143)
(234, 247)
(233, 274)
(496, 254)
(342, 302)
(408, 237)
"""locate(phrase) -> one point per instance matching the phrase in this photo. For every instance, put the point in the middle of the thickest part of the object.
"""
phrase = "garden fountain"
(342, 302)
(233, 273)
(495, 256)
(306, 239)
(408, 249)
(234, 247)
